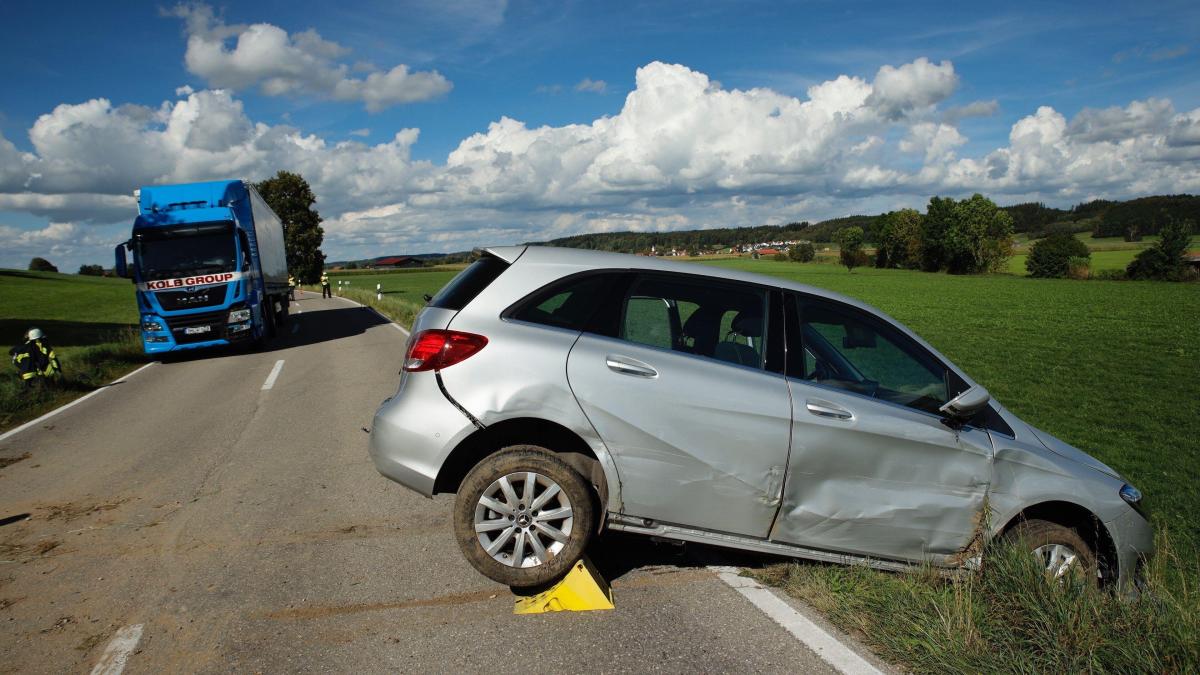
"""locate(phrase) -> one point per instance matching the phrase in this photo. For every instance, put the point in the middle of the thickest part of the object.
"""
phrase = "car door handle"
(628, 366)
(826, 409)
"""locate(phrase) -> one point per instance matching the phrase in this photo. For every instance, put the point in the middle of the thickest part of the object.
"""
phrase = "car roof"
(607, 260)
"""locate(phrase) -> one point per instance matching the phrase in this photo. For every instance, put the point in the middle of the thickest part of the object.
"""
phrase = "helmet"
(34, 334)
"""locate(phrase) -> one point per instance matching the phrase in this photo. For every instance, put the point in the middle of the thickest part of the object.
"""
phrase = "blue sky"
(928, 101)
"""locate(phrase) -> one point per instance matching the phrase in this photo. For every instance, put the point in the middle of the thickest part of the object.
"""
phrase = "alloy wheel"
(523, 519)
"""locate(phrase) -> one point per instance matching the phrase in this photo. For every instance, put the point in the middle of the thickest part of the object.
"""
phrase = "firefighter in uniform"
(35, 360)
(325, 290)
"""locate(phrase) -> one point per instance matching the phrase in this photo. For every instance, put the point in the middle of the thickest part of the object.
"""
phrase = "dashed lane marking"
(274, 374)
(112, 661)
(824, 645)
(81, 399)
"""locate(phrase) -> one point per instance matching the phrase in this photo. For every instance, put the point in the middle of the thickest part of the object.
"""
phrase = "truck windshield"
(170, 252)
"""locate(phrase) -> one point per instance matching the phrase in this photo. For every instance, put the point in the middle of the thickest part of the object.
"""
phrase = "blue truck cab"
(210, 266)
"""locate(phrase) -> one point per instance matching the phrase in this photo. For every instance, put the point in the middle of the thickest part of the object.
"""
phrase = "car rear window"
(567, 303)
(469, 283)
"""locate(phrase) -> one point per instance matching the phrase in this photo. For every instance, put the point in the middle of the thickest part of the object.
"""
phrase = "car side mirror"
(966, 404)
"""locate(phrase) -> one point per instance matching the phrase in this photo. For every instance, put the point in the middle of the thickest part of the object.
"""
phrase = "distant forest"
(1132, 219)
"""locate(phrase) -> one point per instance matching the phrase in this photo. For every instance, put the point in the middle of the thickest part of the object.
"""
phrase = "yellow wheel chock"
(582, 590)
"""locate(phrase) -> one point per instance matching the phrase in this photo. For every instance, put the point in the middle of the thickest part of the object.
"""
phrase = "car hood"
(1072, 453)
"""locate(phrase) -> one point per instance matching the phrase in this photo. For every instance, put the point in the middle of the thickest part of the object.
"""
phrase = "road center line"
(81, 399)
(824, 645)
(274, 374)
(112, 661)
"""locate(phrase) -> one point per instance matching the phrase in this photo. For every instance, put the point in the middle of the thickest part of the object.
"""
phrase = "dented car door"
(873, 468)
(677, 391)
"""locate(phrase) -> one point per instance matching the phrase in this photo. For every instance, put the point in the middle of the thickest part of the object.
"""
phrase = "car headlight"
(1133, 497)
(239, 315)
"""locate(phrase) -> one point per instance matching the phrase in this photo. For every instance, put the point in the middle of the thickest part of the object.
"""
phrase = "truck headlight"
(239, 315)
(151, 326)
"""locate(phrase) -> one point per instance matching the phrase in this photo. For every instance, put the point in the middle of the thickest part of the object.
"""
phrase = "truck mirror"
(120, 266)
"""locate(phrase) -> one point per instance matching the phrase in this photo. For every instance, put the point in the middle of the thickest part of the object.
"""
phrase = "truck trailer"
(210, 266)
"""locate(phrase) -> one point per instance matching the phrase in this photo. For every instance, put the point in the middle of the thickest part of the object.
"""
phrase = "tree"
(41, 265)
(1051, 257)
(850, 240)
(938, 219)
(803, 252)
(291, 198)
(91, 270)
(979, 237)
(1164, 261)
(900, 240)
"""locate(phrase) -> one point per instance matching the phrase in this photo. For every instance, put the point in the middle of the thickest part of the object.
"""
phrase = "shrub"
(41, 265)
(850, 240)
(1079, 267)
(803, 252)
(780, 257)
(1164, 261)
(1050, 257)
(1109, 275)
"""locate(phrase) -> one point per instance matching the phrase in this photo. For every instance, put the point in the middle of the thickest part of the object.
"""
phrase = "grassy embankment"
(90, 321)
(1106, 366)
(402, 289)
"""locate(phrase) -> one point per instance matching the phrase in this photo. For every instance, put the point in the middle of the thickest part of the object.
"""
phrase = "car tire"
(531, 543)
(1057, 547)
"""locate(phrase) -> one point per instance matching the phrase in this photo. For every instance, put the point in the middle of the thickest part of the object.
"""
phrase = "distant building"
(396, 262)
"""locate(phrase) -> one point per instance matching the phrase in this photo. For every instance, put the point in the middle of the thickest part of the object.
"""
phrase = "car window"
(849, 349)
(469, 283)
(567, 303)
(710, 319)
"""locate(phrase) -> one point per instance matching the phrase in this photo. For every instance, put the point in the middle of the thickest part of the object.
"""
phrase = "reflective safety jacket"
(35, 358)
(324, 279)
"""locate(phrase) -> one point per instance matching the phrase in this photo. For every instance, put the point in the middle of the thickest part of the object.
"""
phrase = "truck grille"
(203, 297)
(213, 321)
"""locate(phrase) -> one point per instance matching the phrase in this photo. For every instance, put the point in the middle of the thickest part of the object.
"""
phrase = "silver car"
(561, 392)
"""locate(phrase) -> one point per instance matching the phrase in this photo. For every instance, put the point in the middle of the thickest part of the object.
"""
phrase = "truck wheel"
(1059, 549)
(523, 517)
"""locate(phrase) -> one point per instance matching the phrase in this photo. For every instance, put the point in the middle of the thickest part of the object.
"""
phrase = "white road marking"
(81, 399)
(112, 661)
(824, 645)
(274, 374)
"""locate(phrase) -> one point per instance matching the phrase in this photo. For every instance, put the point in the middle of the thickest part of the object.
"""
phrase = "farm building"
(395, 262)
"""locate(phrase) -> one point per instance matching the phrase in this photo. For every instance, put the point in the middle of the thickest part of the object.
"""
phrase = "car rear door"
(675, 385)
(874, 470)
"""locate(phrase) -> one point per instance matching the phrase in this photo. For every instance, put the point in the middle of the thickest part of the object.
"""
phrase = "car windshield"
(205, 248)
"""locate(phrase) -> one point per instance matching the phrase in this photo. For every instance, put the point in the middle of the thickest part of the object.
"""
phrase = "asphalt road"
(246, 530)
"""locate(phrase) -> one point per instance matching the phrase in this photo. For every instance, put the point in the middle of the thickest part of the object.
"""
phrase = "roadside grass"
(90, 321)
(1008, 617)
(402, 309)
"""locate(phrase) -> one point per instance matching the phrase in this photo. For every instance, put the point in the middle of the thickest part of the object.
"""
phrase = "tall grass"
(84, 369)
(1007, 617)
(401, 310)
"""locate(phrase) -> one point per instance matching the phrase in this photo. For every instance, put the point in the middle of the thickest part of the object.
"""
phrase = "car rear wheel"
(1060, 551)
(523, 517)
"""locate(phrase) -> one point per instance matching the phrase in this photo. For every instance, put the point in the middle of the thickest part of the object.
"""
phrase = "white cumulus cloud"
(278, 63)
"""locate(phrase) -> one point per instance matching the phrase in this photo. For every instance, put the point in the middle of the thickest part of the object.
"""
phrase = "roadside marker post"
(582, 590)
(378, 291)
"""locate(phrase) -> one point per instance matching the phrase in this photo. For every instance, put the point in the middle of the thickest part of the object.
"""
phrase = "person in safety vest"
(325, 290)
(291, 287)
(35, 360)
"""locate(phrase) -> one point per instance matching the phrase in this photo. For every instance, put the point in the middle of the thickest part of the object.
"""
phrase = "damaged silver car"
(561, 392)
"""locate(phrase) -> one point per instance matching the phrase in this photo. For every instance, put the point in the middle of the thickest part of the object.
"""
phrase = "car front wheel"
(523, 516)
(1059, 550)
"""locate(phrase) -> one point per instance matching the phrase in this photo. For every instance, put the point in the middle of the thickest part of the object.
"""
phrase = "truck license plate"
(196, 330)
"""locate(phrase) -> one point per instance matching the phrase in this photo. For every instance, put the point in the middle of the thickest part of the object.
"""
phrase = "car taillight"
(437, 349)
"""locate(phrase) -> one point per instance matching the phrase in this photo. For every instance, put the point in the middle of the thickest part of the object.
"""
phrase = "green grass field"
(90, 321)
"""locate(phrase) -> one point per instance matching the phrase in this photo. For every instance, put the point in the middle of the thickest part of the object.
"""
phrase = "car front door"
(676, 388)
(874, 470)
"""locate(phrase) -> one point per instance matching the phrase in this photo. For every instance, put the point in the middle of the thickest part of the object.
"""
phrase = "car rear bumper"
(414, 431)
